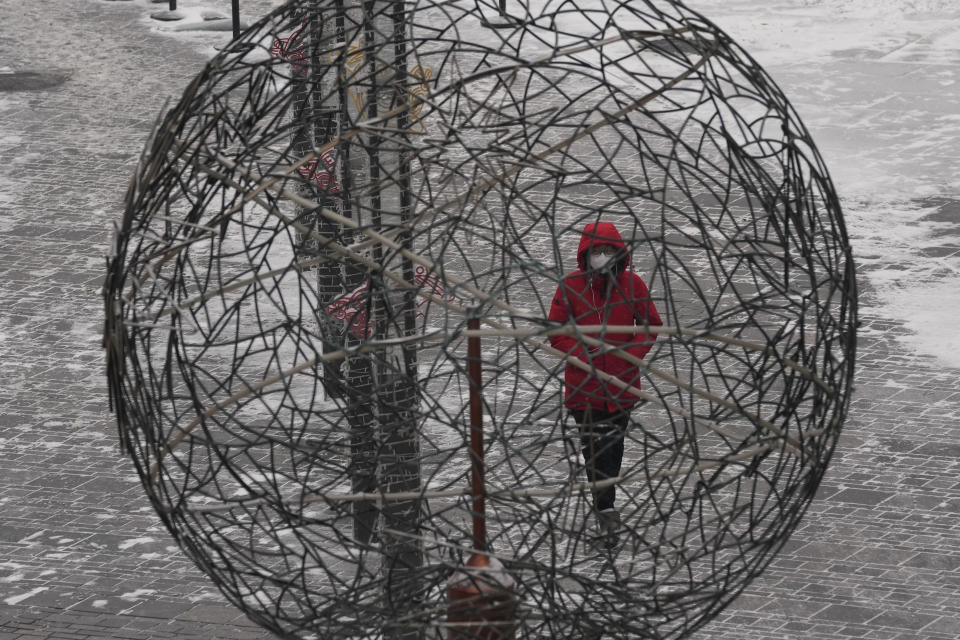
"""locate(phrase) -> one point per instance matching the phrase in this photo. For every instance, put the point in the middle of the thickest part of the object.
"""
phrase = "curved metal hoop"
(338, 194)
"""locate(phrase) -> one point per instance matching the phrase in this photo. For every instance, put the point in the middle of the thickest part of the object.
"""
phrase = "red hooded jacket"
(588, 297)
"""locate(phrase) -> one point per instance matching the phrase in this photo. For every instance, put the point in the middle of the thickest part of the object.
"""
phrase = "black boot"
(608, 521)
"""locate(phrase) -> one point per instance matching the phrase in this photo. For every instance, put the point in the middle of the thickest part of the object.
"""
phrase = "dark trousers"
(601, 442)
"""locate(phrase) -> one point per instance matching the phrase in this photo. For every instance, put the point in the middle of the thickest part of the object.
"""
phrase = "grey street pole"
(376, 177)
(234, 14)
(398, 464)
(367, 178)
(502, 20)
(170, 15)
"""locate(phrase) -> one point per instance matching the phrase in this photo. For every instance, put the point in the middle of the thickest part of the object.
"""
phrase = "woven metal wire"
(343, 187)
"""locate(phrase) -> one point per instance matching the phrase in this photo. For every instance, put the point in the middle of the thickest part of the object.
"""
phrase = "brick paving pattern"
(83, 555)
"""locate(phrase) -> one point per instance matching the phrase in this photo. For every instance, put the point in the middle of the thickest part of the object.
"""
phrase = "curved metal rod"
(514, 493)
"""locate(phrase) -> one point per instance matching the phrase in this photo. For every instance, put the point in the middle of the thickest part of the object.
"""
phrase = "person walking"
(603, 291)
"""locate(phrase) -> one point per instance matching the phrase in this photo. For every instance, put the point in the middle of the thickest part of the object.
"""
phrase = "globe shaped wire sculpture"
(353, 193)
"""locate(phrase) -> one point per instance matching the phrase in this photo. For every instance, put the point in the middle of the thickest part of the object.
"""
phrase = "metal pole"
(502, 20)
(383, 200)
(481, 597)
(235, 13)
(475, 371)
(168, 15)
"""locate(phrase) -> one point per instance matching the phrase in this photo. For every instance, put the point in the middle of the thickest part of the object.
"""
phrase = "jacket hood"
(600, 233)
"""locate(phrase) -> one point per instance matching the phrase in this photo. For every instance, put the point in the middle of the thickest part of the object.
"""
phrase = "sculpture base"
(482, 601)
(500, 22)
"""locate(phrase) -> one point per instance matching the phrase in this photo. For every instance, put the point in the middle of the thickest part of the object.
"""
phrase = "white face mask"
(600, 261)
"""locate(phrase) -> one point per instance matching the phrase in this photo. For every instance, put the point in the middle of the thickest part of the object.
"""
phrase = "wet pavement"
(83, 555)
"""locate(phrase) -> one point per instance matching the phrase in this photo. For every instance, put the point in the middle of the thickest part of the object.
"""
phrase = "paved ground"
(83, 556)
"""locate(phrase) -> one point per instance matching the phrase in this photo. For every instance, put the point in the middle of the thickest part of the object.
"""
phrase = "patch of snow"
(32, 536)
(788, 31)
(884, 148)
(9, 194)
(138, 594)
(14, 600)
(928, 307)
(123, 546)
(10, 190)
(13, 577)
(198, 26)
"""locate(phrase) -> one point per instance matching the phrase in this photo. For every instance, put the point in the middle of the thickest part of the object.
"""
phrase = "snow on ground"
(794, 32)
(10, 190)
(17, 599)
(889, 156)
(204, 24)
(135, 541)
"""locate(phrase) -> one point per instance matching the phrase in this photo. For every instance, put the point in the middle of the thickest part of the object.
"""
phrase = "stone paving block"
(9, 533)
(101, 604)
(67, 635)
(105, 486)
(946, 625)
(137, 623)
(247, 634)
(862, 496)
(794, 608)
(161, 609)
(107, 620)
(132, 634)
(939, 449)
(796, 627)
(846, 613)
(826, 550)
(937, 561)
(212, 613)
(903, 620)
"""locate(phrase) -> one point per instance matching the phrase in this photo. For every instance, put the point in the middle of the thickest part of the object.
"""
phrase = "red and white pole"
(482, 602)
(475, 373)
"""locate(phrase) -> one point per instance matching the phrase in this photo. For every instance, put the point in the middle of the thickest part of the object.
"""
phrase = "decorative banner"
(326, 178)
(358, 94)
(432, 284)
(425, 74)
(293, 50)
(351, 308)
